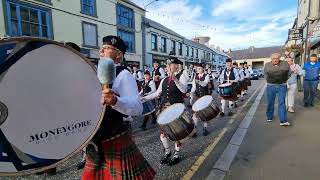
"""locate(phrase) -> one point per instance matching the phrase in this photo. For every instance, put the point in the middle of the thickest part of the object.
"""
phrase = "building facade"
(84, 22)
(161, 42)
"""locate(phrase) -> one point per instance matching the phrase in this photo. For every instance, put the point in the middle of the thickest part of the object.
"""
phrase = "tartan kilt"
(243, 85)
(121, 160)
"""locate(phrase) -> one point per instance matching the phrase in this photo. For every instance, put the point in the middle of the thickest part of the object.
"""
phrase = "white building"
(160, 42)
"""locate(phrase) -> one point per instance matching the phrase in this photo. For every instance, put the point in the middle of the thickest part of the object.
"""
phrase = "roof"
(133, 4)
(161, 27)
(255, 53)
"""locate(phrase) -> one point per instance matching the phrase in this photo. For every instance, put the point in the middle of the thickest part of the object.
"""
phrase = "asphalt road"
(150, 145)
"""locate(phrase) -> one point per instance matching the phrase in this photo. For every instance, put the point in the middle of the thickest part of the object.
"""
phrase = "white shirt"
(241, 74)
(201, 83)
(181, 84)
(236, 74)
(129, 102)
(138, 76)
(163, 74)
(152, 85)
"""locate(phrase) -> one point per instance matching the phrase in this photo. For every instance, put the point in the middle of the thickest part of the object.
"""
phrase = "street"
(193, 150)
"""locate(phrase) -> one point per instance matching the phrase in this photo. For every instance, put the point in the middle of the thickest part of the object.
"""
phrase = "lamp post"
(143, 27)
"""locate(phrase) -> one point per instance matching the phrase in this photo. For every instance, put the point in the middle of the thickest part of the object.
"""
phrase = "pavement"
(198, 154)
(271, 152)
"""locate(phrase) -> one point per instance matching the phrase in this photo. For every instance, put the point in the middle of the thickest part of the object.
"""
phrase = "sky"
(231, 24)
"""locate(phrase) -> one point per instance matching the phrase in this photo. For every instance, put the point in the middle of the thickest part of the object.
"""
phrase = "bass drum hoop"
(82, 57)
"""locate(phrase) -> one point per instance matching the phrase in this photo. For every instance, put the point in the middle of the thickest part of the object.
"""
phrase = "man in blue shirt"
(311, 79)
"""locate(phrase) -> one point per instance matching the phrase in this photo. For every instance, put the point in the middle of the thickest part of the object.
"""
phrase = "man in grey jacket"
(277, 74)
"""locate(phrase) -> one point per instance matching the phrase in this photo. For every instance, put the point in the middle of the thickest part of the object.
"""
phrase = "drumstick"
(106, 72)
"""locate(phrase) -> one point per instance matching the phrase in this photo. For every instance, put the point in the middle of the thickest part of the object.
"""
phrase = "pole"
(307, 34)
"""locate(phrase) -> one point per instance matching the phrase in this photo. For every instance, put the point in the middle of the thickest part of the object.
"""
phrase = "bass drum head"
(51, 96)
(202, 103)
(171, 113)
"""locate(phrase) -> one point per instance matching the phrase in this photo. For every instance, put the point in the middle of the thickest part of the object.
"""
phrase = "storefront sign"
(295, 34)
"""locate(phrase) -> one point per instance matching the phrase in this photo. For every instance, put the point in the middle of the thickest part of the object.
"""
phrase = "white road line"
(224, 162)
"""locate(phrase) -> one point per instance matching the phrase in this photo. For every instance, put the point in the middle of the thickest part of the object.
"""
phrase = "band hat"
(174, 60)
(116, 42)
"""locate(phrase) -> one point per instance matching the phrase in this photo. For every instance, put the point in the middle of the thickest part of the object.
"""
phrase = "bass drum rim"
(82, 57)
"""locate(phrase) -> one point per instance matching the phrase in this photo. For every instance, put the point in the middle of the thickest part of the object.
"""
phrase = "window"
(192, 52)
(125, 16)
(187, 50)
(88, 7)
(25, 20)
(129, 39)
(163, 44)
(45, 1)
(204, 55)
(213, 57)
(173, 47)
(180, 49)
(154, 43)
(197, 53)
(90, 34)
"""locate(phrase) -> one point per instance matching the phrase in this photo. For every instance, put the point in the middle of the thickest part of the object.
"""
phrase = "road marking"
(224, 162)
(195, 167)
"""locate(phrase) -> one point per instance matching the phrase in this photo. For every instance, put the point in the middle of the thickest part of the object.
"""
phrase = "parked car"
(261, 73)
(254, 75)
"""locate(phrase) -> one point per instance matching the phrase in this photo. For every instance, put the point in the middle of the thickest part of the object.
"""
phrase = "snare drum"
(206, 108)
(225, 90)
(176, 122)
(148, 108)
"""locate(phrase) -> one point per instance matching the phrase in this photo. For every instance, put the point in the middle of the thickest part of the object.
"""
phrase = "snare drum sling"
(118, 156)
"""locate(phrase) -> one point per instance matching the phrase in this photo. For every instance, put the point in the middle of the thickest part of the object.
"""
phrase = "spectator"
(311, 80)
(277, 74)
(296, 71)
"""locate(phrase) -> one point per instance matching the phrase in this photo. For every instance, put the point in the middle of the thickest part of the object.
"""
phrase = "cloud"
(231, 24)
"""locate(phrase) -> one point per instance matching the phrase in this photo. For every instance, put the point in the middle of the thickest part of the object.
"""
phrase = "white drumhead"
(52, 96)
(202, 103)
(225, 85)
(171, 113)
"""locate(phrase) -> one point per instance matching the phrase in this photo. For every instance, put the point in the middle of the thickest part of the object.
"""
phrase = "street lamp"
(150, 3)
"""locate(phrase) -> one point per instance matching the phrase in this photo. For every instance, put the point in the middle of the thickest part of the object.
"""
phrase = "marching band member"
(211, 83)
(171, 90)
(148, 87)
(158, 73)
(112, 153)
(200, 87)
(237, 84)
(243, 85)
(246, 75)
(229, 74)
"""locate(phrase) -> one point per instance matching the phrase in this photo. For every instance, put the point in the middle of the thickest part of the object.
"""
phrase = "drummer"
(243, 72)
(148, 87)
(237, 85)
(112, 153)
(158, 73)
(228, 75)
(171, 90)
(200, 87)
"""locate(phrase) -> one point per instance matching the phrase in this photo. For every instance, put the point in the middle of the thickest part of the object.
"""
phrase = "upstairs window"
(88, 7)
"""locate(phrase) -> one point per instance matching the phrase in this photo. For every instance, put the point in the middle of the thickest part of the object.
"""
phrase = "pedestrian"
(311, 80)
(277, 74)
(112, 153)
(296, 71)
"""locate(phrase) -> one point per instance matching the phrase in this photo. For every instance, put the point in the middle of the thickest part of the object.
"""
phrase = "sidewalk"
(271, 152)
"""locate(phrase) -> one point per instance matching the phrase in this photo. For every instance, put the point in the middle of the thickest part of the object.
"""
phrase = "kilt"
(243, 85)
(121, 160)
(248, 80)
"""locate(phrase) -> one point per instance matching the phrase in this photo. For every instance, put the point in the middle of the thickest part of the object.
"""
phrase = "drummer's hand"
(142, 98)
(108, 97)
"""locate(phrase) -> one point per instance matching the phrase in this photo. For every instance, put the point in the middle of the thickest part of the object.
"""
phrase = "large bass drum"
(50, 106)
(175, 121)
